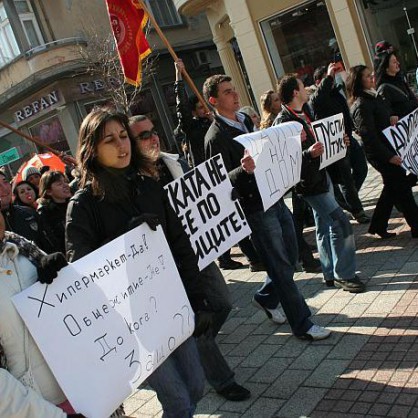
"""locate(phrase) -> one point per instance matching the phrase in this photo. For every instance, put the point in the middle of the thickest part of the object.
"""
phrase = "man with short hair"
(334, 233)
(217, 371)
(273, 232)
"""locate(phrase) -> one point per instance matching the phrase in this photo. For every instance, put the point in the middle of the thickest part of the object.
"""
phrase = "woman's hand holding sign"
(316, 149)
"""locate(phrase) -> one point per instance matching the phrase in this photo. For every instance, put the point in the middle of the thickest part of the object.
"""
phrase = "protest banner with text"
(109, 319)
(277, 153)
(404, 139)
(203, 202)
(330, 132)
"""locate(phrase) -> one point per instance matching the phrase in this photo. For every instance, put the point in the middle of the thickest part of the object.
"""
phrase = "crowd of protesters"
(120, 174)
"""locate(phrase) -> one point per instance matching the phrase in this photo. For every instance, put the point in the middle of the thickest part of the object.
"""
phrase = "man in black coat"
(273, 232)
(325, 101)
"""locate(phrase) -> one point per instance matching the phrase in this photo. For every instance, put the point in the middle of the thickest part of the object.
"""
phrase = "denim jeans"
(217, 371)
(274, 237)
(334, 236)
(179, 381)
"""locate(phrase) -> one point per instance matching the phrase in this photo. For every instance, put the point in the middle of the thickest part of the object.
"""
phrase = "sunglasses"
(144, 135)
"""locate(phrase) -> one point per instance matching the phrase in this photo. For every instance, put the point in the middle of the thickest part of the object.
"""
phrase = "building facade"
(259, 41)
(45, 88)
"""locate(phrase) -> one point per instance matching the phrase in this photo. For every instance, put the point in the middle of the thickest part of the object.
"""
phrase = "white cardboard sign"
(404, 139)
(109, 319)
(277, 153)
(212, 220)
(330, 132)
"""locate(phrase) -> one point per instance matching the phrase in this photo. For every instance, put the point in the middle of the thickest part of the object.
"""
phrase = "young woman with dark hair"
(115, 196)
(371, 116)
(25, 194)
(54, 194)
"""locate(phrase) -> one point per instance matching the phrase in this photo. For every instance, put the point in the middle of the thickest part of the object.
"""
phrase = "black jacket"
(52, 226)
(371, 116)
(92, 222)
(220, 140)
(327, 100)
(194, 128)
(312, 180)
(23, 221)
(398, 96)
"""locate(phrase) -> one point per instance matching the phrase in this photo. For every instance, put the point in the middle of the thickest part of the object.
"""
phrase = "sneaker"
(316, 333)
(274, 314)
(230, 265)
(259, 266)
(234, 392)
(354, 285)
(312, 266)
(361, 217)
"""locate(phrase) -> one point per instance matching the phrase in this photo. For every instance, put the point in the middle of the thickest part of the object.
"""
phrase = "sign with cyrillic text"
(330, 133)
(277, 152)
(404, 139)
(203, 202)
(109, 319)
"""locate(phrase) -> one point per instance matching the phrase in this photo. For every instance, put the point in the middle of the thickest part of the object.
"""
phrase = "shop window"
(50, 132)
(164, 12)
(300, 40)
(388, 21)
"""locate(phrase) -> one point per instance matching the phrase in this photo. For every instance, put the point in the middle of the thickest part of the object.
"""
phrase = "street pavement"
(368, 367)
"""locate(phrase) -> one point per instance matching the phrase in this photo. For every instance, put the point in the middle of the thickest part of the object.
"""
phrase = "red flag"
(128, 20)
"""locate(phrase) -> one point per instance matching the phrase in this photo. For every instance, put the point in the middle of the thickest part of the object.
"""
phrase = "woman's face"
(276, 104)
(114, 148)
(26, 194)
(393, 66)
(59, 191)
(367, 79)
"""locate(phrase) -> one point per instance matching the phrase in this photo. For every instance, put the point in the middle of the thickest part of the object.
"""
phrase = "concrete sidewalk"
(368, 367)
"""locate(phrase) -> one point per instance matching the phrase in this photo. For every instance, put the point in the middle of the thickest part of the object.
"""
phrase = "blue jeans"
(334, 237)
(274, 237)
(179, 381)
(217, 371)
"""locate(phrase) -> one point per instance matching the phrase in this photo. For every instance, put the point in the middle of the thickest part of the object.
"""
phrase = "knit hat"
(383, 47)
(28, 171)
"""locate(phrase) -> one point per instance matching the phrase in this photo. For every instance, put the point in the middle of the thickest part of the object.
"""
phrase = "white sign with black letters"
(109, 319)
(277, 152)
(212, 220)
(330, 132)
(404, 139)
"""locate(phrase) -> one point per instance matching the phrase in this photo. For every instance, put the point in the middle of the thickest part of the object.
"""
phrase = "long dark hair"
(17, 200)
(354, 83)
(45, 184)
(90, 135)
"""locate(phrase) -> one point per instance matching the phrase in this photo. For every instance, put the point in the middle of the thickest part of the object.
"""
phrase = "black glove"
(203, 322)
(151, 219)
(49, 266)
(234, 194)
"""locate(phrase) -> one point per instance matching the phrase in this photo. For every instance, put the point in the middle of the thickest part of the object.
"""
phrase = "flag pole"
(66, 158)
(29, 138)
(174, 56)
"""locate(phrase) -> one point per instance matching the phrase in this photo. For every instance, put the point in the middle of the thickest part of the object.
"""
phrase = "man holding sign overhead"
(273, 232)
(334, 233)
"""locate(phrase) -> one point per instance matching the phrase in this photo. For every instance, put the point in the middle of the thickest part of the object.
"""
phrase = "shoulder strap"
(380, 89)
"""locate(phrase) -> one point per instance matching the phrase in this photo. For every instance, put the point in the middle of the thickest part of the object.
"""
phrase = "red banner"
(128, 20)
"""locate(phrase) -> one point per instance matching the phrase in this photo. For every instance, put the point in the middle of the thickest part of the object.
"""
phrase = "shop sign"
(97, 85)
(9, 156)
(38, 106)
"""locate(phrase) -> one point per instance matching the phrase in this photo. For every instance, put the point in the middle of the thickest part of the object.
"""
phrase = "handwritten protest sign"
(404, 139)
(212, 220)
(330, 132)
(109, 319)
(277, 153)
